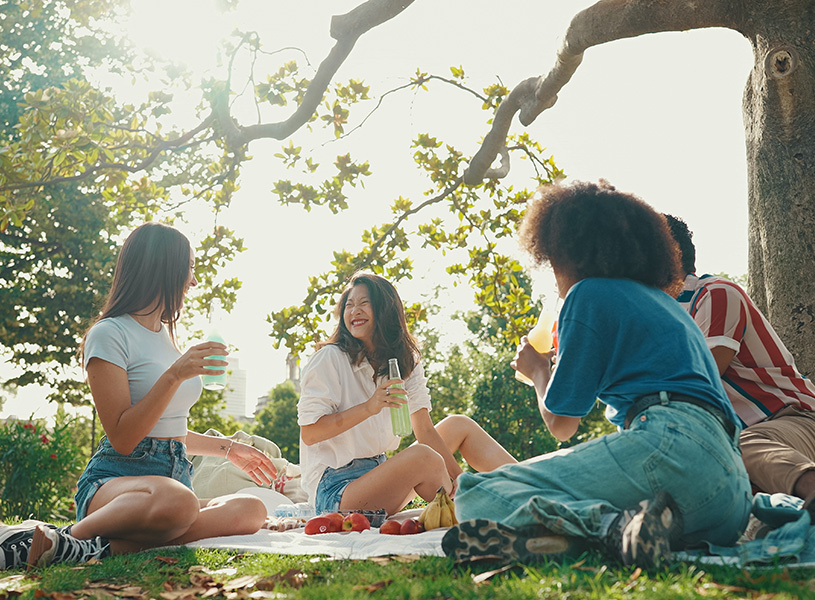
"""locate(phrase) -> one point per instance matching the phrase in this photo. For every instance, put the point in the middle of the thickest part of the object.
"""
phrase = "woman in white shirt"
(136, 490)
(344, 428)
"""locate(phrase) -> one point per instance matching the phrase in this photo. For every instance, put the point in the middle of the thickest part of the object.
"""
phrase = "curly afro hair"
(592, 230)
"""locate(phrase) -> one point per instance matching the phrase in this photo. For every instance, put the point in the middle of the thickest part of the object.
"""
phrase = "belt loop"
(664, 398)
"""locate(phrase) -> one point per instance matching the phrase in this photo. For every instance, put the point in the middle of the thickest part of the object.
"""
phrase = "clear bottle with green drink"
(400, 416)
(215, 382)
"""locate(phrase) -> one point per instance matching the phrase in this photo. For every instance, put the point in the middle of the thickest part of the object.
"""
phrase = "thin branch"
(605, 21)
(173, 144)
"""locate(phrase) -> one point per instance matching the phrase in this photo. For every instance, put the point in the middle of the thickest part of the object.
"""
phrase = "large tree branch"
(346, 29)
(605, 21)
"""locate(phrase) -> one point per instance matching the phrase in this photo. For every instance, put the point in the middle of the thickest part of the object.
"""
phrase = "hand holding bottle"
(541, 339)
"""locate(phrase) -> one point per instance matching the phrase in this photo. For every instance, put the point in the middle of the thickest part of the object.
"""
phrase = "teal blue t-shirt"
(619, 340)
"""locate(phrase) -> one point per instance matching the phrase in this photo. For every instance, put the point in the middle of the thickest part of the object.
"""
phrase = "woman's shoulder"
(330, 353)
(110, 326)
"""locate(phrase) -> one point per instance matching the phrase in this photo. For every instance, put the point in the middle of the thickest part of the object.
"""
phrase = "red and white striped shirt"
(762, 377)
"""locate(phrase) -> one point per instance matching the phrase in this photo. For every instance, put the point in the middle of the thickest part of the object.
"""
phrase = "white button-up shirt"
(329, 383)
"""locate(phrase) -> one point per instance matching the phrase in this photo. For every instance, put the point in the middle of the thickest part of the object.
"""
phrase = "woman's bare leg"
(235, 514)
(477, 447)
(391, 485)
(139, 512)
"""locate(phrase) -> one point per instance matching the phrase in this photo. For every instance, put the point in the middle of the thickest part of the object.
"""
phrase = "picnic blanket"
(790, 542)
(353, 544)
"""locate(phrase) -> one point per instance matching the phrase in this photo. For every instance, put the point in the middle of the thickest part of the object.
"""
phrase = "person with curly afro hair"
(671, 476)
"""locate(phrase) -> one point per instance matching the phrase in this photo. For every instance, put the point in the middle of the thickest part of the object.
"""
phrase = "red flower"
(44, 439)
(53, 456)
(28, 426)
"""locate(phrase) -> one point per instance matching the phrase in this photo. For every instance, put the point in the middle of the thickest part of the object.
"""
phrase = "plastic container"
(301, 510)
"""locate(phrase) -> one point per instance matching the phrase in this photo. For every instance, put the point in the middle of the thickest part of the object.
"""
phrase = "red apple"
(390, 527)
(411, 526)
(336, 520)
(355, 522)
(318, 525)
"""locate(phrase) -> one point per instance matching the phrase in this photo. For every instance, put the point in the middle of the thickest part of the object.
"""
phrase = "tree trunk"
(779, 115)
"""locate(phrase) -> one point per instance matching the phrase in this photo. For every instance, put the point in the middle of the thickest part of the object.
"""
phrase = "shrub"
(38, 470)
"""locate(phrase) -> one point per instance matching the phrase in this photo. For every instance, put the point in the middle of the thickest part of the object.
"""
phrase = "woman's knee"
(173, 507)
(425, 455)
(244, 513)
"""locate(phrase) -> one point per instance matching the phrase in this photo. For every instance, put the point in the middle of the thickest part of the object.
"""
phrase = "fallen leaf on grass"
(166, 559)
(14, 581)
(487, 575)
(54, 595)
(182, 594)
(374, 586)
(244, 582)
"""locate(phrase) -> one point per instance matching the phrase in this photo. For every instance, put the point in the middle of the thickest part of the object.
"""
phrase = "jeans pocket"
(693, 468)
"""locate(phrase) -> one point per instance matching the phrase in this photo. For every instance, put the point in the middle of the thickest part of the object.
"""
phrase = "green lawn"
(185, 574)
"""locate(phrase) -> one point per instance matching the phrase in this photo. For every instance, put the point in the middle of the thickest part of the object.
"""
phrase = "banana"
(446, 518)
(432, 515)
(452, 506)
(441, 512)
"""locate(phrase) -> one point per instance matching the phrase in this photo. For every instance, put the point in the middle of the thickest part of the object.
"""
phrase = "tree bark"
(779, 117)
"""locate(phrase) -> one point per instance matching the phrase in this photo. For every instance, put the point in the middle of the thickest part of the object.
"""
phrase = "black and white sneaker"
(482, 539)
(15, 542)
(49, 545)
(645, 538)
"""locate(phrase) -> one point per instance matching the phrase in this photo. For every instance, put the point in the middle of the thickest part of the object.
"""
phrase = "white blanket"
(352, 544)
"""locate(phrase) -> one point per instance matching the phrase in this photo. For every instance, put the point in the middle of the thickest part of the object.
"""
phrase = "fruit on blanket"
(318, 525)
(410, 526)
(335, 519)
(439, 513)
(390, 527)
(355, 522)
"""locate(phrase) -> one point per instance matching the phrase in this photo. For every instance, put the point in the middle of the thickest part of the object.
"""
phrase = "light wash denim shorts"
(334, 481)
(152, 456)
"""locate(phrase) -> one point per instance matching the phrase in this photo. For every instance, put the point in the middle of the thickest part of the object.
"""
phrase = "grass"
(186, 573)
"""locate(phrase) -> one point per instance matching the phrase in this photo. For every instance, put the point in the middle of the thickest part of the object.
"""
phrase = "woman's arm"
(244, 456)
(427, 434)
(331, 425)
(126, 425)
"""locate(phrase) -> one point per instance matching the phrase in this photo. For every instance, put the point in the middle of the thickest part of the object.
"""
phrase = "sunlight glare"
(184, 31)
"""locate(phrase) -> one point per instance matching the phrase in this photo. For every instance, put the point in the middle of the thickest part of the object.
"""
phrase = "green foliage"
(38, 470)
(207, 413)
(277, 421)
(508, 411)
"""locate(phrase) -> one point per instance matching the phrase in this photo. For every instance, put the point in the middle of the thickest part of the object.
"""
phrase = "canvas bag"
(215, 476)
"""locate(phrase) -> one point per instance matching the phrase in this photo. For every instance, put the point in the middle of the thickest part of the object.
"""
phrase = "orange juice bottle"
(541, 336)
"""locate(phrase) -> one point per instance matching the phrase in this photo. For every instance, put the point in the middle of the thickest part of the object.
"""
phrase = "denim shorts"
(152, 456)
(334, 481)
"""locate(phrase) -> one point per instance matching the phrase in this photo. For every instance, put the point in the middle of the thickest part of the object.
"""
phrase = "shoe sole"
(482, 539)
(43, 547)
(648, 538)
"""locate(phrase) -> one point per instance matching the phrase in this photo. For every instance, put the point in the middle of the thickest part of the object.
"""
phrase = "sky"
(658, 116)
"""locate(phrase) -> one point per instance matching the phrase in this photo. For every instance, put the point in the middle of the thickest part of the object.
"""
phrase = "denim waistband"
(153, 446)
(665, 399)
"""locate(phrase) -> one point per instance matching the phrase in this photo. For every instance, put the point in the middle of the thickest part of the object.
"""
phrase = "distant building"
(235, 392)
(292, 374)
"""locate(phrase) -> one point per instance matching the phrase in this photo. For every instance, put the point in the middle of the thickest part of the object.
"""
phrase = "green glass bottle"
(400, 416)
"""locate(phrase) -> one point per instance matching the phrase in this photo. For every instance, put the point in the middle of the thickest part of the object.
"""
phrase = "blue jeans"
(679, 448)
(152, 456)
(334, 481)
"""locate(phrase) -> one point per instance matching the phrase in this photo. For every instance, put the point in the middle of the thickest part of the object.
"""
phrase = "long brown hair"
(391, 338)
(154, 263)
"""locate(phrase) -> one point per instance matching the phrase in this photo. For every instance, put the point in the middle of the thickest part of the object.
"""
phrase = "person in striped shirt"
(772, 398)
